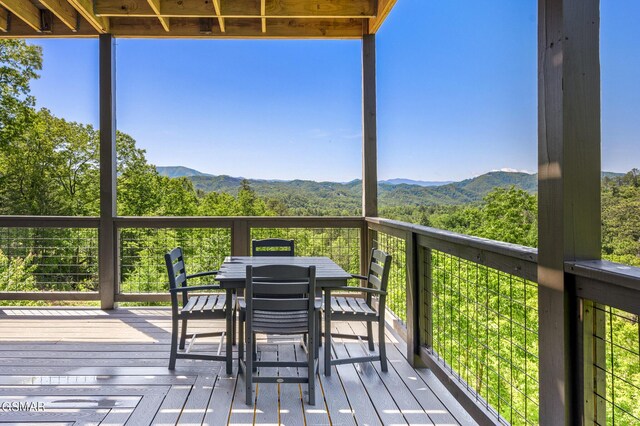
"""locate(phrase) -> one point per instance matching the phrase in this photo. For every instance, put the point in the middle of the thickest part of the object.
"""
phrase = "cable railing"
(473, 309)
(342, 245)
(142, 250)
(43, 259)
(467, 307)
(609, 296)
(397, 286)
(485, 333)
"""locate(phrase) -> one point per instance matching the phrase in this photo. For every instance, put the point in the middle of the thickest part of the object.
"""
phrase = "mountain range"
(347, 196)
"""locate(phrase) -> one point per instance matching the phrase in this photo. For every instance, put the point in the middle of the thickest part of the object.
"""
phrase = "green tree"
(510, 215)
(19, 64)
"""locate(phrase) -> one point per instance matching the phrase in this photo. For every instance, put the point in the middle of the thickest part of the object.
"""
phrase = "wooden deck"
(88, 366)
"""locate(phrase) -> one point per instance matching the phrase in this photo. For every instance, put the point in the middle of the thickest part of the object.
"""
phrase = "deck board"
(94, 367)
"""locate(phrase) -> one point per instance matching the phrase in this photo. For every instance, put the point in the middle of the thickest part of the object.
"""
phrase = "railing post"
(107, 255)
(365, 247)
(425, 299)
(413, 299)
(240, 237)
(593, 331)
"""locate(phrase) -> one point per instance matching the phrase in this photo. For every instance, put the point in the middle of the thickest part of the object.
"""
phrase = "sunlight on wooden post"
(569, 190)
(107, 234)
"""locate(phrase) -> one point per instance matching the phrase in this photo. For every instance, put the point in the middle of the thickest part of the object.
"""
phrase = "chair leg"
(327, 343)
(174, 343)
(370, 336)
(234, 326)
(241, 340)
(248, 374)
(382, 346)
(254, 351)
(183, 335)
(311, 373)
(318, 338)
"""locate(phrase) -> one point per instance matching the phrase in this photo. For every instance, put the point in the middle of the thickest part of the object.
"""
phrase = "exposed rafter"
(218, 9)
(263, 13)
(155, 5)
(4, 20)
(85, 8)
(63, 10)
(24, 10)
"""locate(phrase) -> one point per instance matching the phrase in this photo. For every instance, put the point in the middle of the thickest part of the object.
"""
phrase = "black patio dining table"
(233, 273)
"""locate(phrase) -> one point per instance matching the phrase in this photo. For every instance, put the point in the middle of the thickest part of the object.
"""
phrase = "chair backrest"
(272, 247)
(177, 272)
(280, 298)
(379, 266)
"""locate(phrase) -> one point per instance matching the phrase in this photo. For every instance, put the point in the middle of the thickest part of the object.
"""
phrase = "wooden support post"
(240, 238)
(569, 190)
(107, 246)
(425, 289)
(413, 300)
(369, 141)
(365, 248)
(593, 335)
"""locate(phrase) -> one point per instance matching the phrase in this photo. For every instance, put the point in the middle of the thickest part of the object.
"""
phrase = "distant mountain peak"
(403, 181)
(510, 170)
(179, 171)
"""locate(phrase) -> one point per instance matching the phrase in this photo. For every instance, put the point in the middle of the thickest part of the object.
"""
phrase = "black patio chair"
(280, 301)
(272, 247)
(361, 309)
(193, 307)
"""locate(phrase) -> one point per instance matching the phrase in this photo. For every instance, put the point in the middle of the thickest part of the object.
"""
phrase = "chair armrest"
(202, 274)
(195, 287)
(362, 289)
(359, 277)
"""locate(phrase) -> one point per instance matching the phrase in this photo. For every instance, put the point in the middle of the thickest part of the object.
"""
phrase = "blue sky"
(457, 95)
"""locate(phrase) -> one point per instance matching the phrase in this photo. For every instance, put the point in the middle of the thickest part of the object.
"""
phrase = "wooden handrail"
(49, 222)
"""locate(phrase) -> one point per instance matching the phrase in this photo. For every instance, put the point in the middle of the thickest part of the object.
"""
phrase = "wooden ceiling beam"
(19, 29)
(25, 10)
(63, 10)
(85, 8)
(240, 8)
(384, 8)
(4, 20)
(155, 6)
(218, 9)
(239, 28)
(263, 13)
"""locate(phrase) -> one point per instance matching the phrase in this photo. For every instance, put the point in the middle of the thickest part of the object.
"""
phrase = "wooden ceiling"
(193, 18)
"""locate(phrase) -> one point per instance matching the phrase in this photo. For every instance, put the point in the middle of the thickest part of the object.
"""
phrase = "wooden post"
(240, 238)
(425, 289)
(593, 335)
(413, 300)
(569, 190)
(107, 245)
(369, 140)
(365, 248)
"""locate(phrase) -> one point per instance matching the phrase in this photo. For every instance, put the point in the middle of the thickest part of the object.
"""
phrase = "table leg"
(327, 332)
(229, 338)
